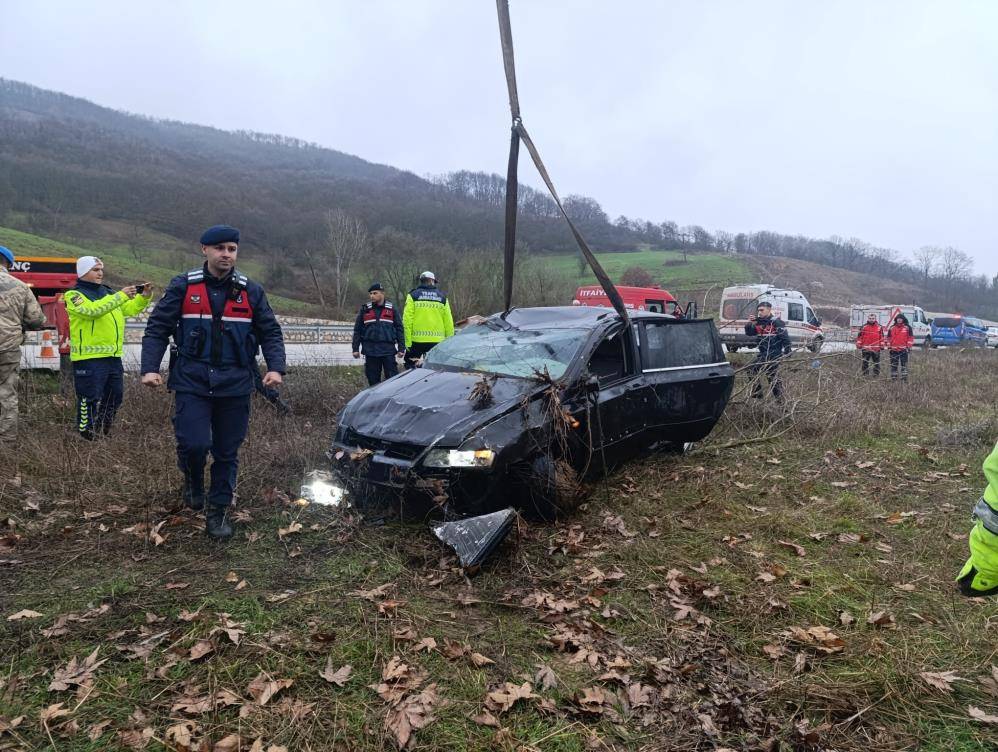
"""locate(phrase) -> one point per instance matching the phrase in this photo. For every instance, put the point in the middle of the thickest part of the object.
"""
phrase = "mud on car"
(521, 409)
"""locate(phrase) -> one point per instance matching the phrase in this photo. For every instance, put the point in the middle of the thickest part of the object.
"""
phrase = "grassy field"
(667, 267)
(787, 585)
(157, 266)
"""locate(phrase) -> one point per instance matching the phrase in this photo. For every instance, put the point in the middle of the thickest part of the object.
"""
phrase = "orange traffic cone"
(48, 351)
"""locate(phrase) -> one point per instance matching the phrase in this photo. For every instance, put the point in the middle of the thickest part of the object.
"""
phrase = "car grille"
(396, 449)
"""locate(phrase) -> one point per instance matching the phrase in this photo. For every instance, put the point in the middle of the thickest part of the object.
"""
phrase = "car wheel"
(816, 345)
(552, 488)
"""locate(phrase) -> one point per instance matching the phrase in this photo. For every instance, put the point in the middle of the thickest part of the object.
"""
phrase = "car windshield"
(508, 352)
(942, 322)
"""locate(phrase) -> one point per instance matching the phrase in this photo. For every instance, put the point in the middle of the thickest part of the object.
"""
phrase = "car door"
(690, 380)
(622, 398)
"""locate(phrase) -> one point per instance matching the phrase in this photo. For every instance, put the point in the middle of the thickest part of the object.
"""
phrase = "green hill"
(668, 268)
(157, 266)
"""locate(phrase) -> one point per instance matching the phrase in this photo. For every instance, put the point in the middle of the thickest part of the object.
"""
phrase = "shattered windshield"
(508, 352)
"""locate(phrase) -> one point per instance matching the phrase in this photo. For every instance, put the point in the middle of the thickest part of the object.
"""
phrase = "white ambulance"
(885, 315)
(739, 302)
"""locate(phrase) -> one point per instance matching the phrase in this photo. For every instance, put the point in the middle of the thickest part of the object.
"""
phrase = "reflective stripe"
(987, 516)
(192, 316)
(244, 319)
(685, 368)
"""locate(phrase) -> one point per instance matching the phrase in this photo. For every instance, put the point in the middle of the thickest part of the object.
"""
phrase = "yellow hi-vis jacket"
(97, 320)
(427, 316)
(982, 567)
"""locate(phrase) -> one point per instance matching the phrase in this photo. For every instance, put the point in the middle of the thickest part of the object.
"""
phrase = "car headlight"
(459, 458)
(320, 487)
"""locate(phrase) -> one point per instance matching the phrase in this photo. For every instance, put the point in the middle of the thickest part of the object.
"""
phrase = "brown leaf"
(24, 614)
(232, 577)
(339, 676)
(979, 715)
(485, 718)
(845, 618)
(201, 648)
(774, 651)
(639, 695)
(766, 577)
(545, 677)
(181, 734)
(176, 585)
(294, 527)
(427, 644)
(411, 714)
(75, 673)
(479, 660)
(508, 695)
(96, 731)
(52, 712)
(797, 549)
(135, 738)
(940, 679)
(262, 688)
(228, 743)
(882, 619)
(186, 615)
(373, 595)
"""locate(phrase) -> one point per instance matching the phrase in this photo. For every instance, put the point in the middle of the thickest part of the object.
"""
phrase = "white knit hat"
(85, 263)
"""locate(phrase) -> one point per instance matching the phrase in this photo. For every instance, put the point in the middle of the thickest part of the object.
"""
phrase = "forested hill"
(62, 156)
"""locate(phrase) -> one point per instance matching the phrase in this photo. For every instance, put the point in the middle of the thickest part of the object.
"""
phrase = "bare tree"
(954, 267)
(927, 260)
(346, 241)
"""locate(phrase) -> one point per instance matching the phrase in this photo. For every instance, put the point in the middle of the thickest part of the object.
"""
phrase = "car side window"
(612, 359)
(679, 344)
(655, 306)
(795, 311)
(812, 319)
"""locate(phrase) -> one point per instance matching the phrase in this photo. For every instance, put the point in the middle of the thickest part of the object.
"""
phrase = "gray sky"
(874, 120)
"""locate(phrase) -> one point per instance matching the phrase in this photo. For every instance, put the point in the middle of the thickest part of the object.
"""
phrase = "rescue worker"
(426, 319)
(378, 333)
(979, 575)
(773, 343)
(96, 342)
(870, 341)
(900, 339)
(217, 318)
(18, 311)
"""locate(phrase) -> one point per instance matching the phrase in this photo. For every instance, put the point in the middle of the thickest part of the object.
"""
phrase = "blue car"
(962, 331)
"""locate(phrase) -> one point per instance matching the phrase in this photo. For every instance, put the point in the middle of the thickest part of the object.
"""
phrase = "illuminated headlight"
(459, 458)
(320, 487)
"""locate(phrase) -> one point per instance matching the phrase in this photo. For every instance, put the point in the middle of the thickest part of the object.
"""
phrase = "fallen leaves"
(284, 532)
(76, 673)
(200, 649)
(941, 680)
(796, 548)
(979, 715)
(339, 676)
(24, 614)
(263, 688)
(504, 698)
(411, 714)
(818, 638)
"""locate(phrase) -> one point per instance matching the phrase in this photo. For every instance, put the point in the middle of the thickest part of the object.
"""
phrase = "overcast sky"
(876, 120)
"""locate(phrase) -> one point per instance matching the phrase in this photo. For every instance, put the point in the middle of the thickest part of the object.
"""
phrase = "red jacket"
(870, 337)
(899, 337)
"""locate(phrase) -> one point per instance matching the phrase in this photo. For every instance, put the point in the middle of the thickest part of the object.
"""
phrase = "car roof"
(571, 317)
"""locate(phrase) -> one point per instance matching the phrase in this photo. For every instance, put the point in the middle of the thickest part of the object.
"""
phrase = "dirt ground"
(787, 585)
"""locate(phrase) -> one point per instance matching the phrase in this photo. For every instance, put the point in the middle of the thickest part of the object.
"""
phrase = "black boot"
(194, 500)
(217, 524)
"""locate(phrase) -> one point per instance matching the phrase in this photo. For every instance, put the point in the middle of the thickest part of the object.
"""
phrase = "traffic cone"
(48, 351)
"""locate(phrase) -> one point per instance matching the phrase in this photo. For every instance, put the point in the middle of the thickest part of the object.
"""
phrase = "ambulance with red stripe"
(885, 314)
(740, 301)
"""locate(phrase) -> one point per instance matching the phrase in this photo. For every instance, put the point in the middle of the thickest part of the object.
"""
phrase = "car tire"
(816, 344)
(551, 488)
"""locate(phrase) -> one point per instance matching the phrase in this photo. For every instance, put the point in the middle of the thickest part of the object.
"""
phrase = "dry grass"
(658, 577)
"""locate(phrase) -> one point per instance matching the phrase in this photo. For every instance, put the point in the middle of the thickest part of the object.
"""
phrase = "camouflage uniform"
(18, 311)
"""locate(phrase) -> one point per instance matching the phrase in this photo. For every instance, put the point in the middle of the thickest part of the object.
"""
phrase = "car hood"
(424, 405)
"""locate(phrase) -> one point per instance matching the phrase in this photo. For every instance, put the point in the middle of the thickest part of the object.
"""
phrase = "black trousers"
(100, 385)
(899, 364)
(769, 369)
(375, 365)
(868, 358)
(416, 351)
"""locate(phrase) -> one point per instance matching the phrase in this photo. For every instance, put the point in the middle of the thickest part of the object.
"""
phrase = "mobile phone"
(139, 289)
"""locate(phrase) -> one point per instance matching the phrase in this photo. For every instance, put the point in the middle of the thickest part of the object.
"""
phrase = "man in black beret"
(218, 319)
(378, 332)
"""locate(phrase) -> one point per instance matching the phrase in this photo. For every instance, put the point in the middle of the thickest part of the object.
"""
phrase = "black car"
(520, 409)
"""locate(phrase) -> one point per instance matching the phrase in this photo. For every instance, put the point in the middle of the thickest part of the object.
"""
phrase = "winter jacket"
(427, 316)
(378, 330)
(900, 337)
(981, 571)
(870, 337)
(97, 320)
(217, 325)
(771, 337)
(18, 311)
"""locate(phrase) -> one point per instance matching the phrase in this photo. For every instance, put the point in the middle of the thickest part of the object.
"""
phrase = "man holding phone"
(96, 343)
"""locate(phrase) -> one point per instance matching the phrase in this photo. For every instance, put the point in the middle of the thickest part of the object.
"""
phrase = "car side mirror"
(591, 385)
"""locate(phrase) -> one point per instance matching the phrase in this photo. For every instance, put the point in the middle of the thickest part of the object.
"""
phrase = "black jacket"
(771, 337)
(378, 330)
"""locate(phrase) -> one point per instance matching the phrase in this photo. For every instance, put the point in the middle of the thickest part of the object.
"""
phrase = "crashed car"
(522, 408)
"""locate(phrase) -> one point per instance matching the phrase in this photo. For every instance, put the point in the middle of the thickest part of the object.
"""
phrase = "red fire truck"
(652, 298)
(49, 278)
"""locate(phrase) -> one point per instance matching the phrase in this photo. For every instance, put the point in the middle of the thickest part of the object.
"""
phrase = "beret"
(220, 234)
(375, 286)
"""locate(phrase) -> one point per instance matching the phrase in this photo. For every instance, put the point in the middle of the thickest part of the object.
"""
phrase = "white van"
(739, 302)
(885, 315)
(993, 336)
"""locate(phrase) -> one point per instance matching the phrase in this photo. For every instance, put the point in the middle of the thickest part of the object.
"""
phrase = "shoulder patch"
(75, 297)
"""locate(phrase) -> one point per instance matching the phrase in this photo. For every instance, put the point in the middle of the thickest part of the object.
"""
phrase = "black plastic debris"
(475, 538)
